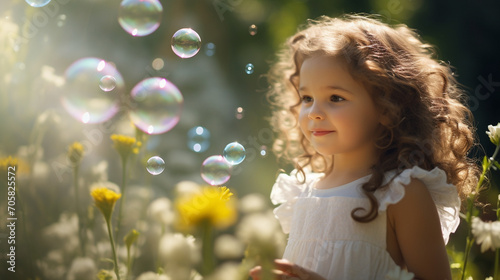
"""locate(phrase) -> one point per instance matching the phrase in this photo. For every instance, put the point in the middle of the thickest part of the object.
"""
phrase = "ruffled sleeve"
(444, 195)
(285, 191)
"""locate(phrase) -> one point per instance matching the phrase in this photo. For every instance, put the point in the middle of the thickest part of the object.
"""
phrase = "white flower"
(161, 211)
(494, 133)
(175, 250)
(152, 276)
(82, 269)
(228, 247)
(487, 234)
(399, 274)
(253, 203)
(258, 228)
(489, 278)
(227, 271)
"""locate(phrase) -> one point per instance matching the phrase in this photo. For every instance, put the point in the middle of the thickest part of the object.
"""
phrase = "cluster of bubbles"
(143, 17)
(37, 3)
(156, 102)
(216, 169)
(155, 165)
(85, 81)
(156, 105)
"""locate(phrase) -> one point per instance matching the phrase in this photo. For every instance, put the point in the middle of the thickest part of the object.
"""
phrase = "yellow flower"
(212, 205)
(75, 152)
(125, 145)
(8, 161)
(105, 200)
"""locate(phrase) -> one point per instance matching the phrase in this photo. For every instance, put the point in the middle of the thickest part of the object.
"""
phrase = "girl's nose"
(316, 113)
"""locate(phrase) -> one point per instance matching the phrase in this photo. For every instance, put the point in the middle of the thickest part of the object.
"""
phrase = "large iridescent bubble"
(82, 96)
(215, 170)
(156, 105)
(140, 17)
(186, 43)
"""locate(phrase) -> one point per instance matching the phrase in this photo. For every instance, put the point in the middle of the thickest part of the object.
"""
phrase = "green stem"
(124, 185)
(81, 234)
(468, 247)
(128, 262)
(207, 248)
(470, 208)
(496, 275)
(115, 259)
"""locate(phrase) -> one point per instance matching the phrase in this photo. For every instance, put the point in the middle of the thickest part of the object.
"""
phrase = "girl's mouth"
(321, 132)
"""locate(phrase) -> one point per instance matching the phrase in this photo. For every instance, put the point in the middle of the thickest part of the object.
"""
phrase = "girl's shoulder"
(443, 194)
(287, 186)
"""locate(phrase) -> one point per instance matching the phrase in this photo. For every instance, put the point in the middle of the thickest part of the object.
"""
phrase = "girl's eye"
(306, 99)
(336, 98)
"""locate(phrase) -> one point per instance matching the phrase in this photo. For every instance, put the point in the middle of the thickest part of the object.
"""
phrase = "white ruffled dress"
(324, 238)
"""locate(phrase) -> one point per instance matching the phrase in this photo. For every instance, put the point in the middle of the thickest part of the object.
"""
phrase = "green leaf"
(496, 164)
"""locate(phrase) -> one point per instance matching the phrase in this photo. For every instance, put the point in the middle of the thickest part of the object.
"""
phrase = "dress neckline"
(338, 188)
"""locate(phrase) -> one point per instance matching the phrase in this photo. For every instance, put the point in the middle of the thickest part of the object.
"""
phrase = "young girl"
(379, 137)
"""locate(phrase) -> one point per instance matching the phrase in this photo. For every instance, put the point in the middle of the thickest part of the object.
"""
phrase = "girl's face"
(337, 114)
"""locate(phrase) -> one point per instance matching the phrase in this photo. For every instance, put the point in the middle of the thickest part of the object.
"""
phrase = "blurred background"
(223, 88)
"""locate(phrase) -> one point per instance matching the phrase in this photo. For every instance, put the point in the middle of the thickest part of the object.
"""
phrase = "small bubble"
(61, 20)
(252, 29)
(234, 153)
(263, 151)
(155, 165)
(107, 83)
(215, 170)
(210, 49)
(186, 43)
(198, 139)
(249, 68)
(37, 3)
(239, 113)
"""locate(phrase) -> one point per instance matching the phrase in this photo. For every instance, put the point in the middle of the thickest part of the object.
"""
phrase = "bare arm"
(418, 232)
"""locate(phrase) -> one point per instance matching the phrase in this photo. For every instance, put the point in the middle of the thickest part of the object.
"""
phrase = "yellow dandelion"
(105, 200)
(212, 205)
(75, 152)
(8, 161)
(124, 145)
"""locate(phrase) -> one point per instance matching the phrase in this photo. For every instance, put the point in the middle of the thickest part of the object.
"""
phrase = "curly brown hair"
(427, 124)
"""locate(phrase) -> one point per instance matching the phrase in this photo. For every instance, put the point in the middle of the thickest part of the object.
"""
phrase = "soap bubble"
(155, 165)
(198, 139)
(140, 17)
(234, 153)
(61, 20)
(157, 105)
(37, 3)
(107, 83)
(239, 113)
(263, 151)
(249, 68)
(210, 49)
(252, 29)
(81, 95)
(215, 170)
(186, 43)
